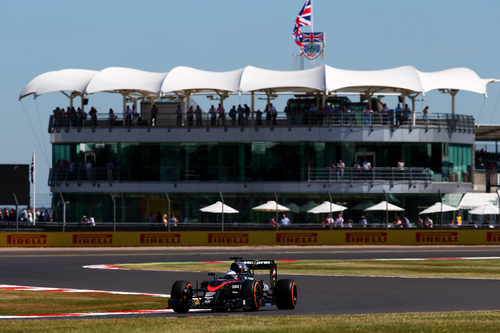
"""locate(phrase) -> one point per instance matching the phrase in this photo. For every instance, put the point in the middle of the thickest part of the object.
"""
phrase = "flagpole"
(312, 29)
(33, 213)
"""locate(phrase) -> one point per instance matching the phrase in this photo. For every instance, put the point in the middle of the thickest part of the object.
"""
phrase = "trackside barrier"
(282, 237)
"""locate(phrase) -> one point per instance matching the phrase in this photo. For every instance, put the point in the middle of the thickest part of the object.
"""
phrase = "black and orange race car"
(238, 288)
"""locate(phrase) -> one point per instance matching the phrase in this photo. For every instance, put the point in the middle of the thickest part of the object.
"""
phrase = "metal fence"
(79, 175)
(440, 121)
(372, 175)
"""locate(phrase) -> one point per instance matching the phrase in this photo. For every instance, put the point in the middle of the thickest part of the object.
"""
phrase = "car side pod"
(181, 297)
(286, 294)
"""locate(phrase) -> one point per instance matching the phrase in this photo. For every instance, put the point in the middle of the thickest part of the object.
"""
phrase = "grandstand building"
(132, 170)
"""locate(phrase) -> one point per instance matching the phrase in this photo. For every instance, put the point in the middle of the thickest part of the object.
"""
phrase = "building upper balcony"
(352, 126)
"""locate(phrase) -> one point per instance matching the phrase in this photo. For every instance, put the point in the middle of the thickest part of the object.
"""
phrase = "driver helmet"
(231, 275)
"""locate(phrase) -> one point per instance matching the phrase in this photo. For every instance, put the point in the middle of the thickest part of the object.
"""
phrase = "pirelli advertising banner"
(243, 238)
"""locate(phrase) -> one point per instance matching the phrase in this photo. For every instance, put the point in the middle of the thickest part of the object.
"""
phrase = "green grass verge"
(414, 268)
(19, 302)
(478, 321)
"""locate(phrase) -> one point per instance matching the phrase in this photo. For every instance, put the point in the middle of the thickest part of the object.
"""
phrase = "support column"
(413, 114)
(252, 105)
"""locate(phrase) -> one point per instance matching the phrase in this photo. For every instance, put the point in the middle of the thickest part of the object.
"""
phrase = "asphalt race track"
(317, 294)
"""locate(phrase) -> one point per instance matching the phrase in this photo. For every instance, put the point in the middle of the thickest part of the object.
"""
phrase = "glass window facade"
(262, 161)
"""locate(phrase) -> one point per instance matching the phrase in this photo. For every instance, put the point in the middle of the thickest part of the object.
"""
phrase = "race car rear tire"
(181, 295)
(286, 294)
(252, 291)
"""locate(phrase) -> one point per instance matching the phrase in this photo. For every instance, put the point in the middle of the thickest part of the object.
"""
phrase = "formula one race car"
(237, 289)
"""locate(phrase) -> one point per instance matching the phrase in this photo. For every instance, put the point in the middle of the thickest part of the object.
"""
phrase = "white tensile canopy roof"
(454, 78)
(397, 79)
(63, 80)
(120, 78)
(258, 79)
(186, 78)
(322, 79)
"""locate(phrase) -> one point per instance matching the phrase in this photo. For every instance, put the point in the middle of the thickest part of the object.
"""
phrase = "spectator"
(274, 113)
(349, 223)
(135, 115)
(190, 116)
(406, 113)
(232, 115)
(222, 115)
(368, 112)
(426, 115)
(128, 116)
(458, 220)
(340, 170)
(91, 221)
(154, 115)
(399, 115)
(241, 114)
(173, 221)
(385, 114)
(258, 117)
(327, 222)
(165, 220)
(246, 110)
(339, 221)
(428, 222)
(397, 222)
(363, 223)
(406, 222)
(420, 222)
(285, 221)
(213, 115)
(401, 164)
(272, 222)
(178, 113)
(111, 117)
(198, 115)
(93, 116)
(88, 169)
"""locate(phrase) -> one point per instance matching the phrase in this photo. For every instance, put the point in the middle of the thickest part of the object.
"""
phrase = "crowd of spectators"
(24, 215)
(298, 112)
(487, 161)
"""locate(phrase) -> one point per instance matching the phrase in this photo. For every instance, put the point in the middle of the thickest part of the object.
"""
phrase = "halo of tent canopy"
(322, 80)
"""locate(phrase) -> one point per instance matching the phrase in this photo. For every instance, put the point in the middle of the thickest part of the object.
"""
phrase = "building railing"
(440, 121)
(79, 175)
(371, 175)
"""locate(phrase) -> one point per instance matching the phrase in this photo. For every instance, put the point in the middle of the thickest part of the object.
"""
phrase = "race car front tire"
(252, 292)
(181, 296)
(286, 294)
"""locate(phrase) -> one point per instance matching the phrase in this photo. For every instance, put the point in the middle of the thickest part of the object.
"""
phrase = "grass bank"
(477, 321)
(452, 268)
(18, 302)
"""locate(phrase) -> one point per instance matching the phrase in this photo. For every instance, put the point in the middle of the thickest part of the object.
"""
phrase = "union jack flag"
(312, 37)
(303, 19)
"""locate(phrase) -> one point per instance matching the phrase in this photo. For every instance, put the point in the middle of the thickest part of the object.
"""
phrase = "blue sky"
(220, 35)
